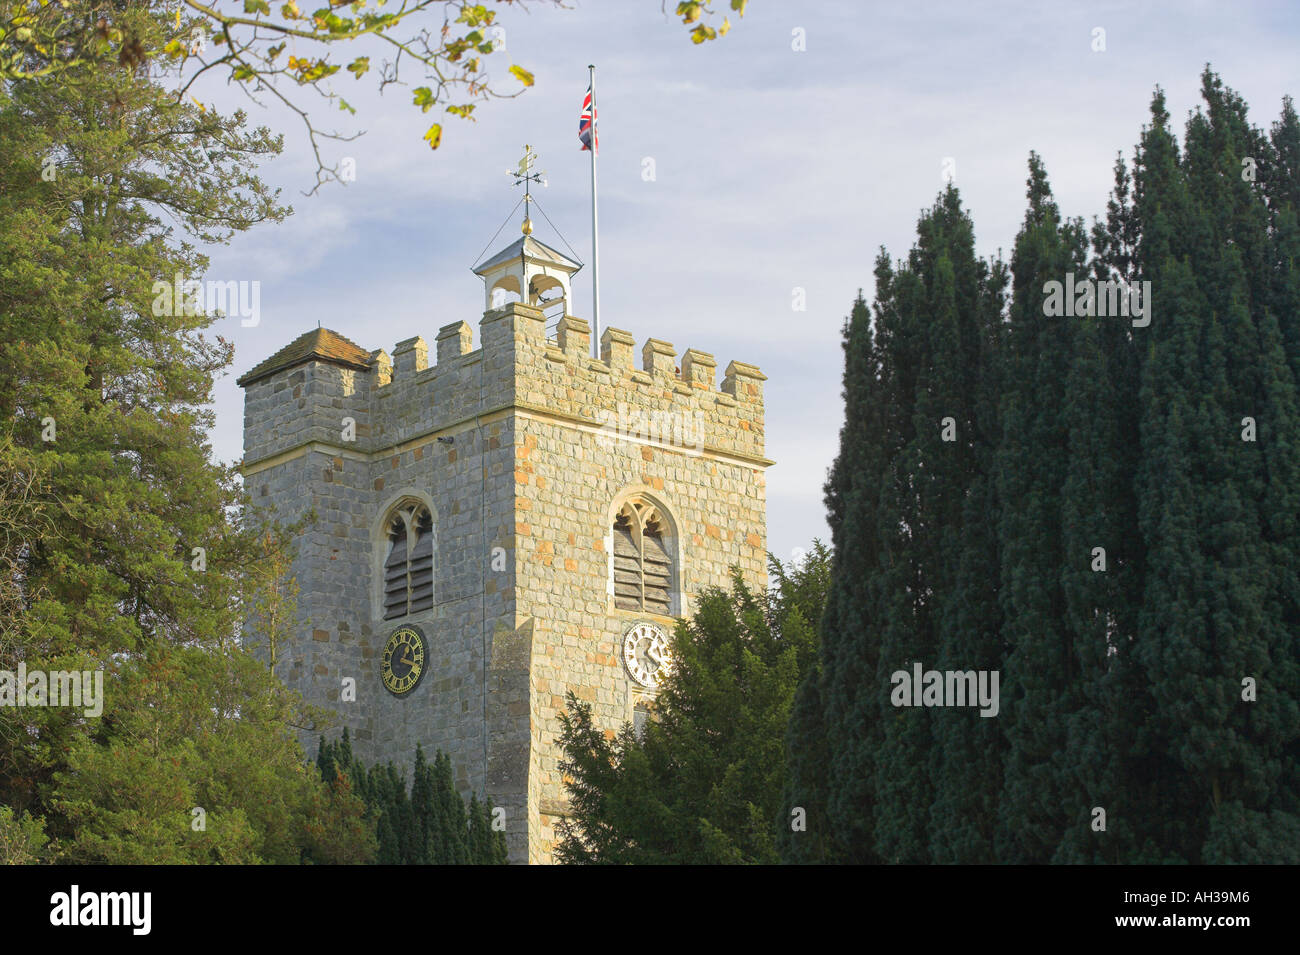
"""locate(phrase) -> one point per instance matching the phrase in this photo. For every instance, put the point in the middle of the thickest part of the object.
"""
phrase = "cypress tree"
(835, 724)
(928, 315)
(426, 810)
(1094, 504)
(968, 747)
(480, 832)
(909, 585)
(452, 828)
(1144, 541)
(1030, 467)
(807, 759)
(1280, 343)
(1281, 182)
(1245, 521)
(1099, 765)
(1183, 389)
(888, 636)
(431, 825)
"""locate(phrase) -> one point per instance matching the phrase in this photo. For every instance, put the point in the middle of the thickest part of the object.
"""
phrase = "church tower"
(513, 522)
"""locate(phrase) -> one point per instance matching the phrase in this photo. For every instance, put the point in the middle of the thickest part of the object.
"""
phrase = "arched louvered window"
(408, 566)
(643, 565)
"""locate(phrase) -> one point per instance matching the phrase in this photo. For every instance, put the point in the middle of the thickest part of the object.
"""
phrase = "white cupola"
(528, 269)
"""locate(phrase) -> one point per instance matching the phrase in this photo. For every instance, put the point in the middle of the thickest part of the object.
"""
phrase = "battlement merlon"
(304, 396)
(314, 390)
(410, 356)
(454, 340)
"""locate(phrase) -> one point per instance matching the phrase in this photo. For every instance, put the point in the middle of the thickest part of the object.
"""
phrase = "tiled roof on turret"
(319, 344)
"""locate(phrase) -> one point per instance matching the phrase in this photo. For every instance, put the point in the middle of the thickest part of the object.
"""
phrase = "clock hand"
(409, 663)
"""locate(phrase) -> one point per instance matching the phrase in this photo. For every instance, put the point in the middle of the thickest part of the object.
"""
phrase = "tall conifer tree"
(1134, 487)
(832, 726)
(1031, 471)
(968, 748)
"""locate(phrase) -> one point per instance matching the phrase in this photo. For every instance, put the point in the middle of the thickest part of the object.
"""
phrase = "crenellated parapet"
(324, 388)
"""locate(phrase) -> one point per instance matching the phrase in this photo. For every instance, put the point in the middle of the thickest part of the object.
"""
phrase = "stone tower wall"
(590, 434)
(526, 445)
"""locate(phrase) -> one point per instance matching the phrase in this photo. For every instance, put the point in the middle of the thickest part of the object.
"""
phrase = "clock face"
(645, 651)
(404, 660)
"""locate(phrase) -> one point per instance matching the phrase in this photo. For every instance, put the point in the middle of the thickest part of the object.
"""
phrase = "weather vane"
(526, 174)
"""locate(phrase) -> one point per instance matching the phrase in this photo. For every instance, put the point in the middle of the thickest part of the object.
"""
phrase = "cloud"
(774, 169)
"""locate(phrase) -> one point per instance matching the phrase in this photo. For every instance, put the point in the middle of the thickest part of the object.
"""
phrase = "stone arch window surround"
(643, 544)
(405, 546)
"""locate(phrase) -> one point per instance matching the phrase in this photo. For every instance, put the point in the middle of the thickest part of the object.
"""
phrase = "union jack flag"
(587, 124)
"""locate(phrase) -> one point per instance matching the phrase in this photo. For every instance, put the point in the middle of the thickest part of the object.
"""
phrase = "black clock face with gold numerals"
(405, 657)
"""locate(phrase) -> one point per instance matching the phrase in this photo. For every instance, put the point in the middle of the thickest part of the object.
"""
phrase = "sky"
(778, 174)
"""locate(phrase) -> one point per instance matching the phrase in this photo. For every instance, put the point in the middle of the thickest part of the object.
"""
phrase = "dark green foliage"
(921, 390)
(703, 783)
(108, 181)
(427, 826)
(1220, 512)
(1104, 531)
(831, 697)
(1040, 669)
(967, 748)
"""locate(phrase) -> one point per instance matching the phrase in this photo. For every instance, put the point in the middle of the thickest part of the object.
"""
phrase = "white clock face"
(645, 651)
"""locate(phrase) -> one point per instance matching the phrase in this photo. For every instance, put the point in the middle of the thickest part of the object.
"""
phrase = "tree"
(1282, 193)
(487, 846)
(967, 385)
(1131, 480)
(914, 579)
(22, 521)
(441, 834)
(127, 542)
(431, 826)
(192, 763)
(834, 727)
(703, 783)
(1217, 504)
(446, 41)
(22, 838)
(337, 830)
(1039, 670)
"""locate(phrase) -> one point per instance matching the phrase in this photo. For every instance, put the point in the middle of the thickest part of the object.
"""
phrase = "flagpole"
(595, 233)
